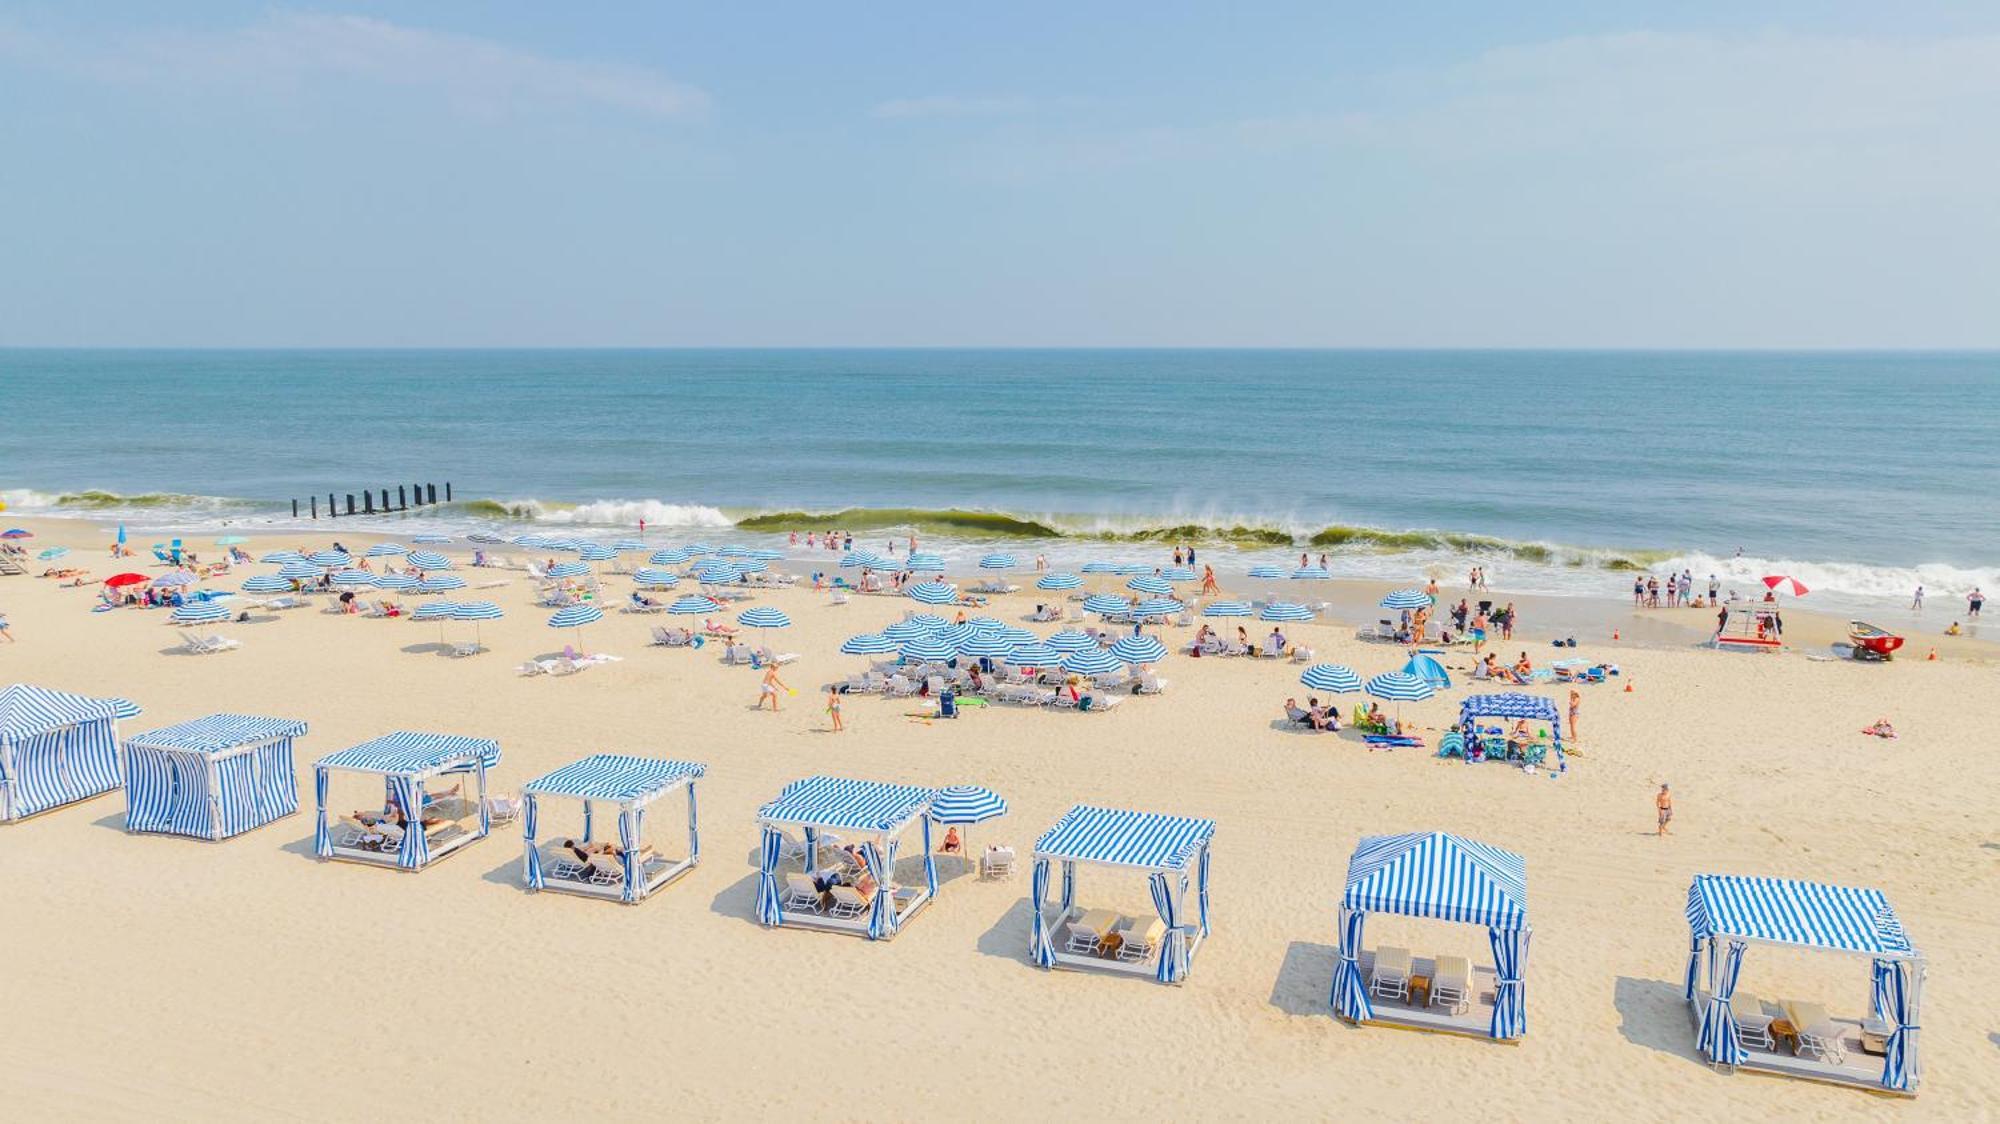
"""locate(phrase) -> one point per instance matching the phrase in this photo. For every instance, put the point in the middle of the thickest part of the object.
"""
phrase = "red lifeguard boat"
(1871, 642)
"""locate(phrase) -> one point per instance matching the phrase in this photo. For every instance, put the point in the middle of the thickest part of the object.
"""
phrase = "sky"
(1324, 174)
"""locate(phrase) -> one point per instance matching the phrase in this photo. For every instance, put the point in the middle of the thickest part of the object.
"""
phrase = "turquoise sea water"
(1863, 473)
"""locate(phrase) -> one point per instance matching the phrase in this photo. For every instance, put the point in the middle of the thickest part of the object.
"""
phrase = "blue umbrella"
(1226, 609)
(931, 621)
(862, 558)
(929, 649)
(396, 581)
(700, 548)
(1058, 581)
(569, 569)
(965, 803)
(1266, 572)
(1332, 677)
(300, 571)
(174, 580)
(486, 537)
(431, 539)
(386, 550)
(439, 583)
(1284, 611)
(329, 558)
(1092, 662)
(1106, 603)
(998, 562)
(121, 534)
(669, 556)
(1158, 607)
(734, 550)
(751, 565)
(1427, 668)
(933, 592)
(266, 583)
(473, 610)
(591, 552)
(763, 616)
(1407, 599)
(1034, 655)
(434, 611)
(717, 573)
(905, 630)
(647, 575)
(1070, 640)
(576, 616)
(956, 633)
(353, 579)
(1179, 574)
(627, 545)
(1311, 573)
(867, 644)
(767, 555)
(428, 560)
(924, 560)
(1397, 686)
(280, 557)
(1099, 566)
(201, 612)
(1139, 649)
(537, 541)
(693, 605)
(1017, 635)
(985, 643)
(1150, 583)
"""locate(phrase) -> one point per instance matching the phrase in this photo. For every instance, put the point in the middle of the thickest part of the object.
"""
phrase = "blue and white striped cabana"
(407, 762)
(629, 784)
(1449, 878)
(872, 816)
(56, 748)
(1165, 847)
(213, 777)
(1726, 913)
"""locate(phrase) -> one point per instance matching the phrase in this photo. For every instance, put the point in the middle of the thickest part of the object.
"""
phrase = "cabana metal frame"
(1515, 704)
(878, 811)
(56, 748)
(1728, 913)
(1162, 846)
(631, 784)
(407, 761)
(1446, 878)
(211, 778)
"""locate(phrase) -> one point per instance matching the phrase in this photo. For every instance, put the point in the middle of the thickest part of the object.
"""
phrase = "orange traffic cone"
(1933, 654)
(1628, 688)
(1614, 634)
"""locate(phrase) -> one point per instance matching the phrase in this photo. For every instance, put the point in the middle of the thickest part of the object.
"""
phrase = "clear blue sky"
(1312, 174)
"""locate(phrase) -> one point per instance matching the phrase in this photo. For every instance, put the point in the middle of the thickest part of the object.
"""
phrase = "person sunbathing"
(708, 624)
(643, 601)
(1294, 713)
(1318, 718)
(1881, 729)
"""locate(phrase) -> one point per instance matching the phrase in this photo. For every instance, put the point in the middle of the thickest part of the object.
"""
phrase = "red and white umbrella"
(1792, 585)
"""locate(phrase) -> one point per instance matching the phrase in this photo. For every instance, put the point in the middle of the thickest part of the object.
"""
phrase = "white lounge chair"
(900, 687)
(466, 648)
(503, 809)
(781, 658)
(800, 893)
(1391, 978)
(847, 902)
(1451, 984)
(1150, 683)
(1139, 939)
(1753, 1026)
(605, 869)
(1818, 1034)
(560, 861)
(998, 862)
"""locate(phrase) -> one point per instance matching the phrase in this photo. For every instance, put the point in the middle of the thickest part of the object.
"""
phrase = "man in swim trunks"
(770, 688)
(1664, 802)
(1974, 602)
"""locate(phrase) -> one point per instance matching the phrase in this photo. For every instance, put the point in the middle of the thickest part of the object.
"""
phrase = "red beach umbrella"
(119, 581)
(1778, 581)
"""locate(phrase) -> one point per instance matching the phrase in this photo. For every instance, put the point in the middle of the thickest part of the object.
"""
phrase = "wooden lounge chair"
(1753, 1026)
(1451, 983)
(1391, 978)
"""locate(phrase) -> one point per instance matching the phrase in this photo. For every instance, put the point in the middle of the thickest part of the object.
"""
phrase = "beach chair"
(503, 809)
(389, 837)
(193, 643)
(1391, 978)
(1753, 1026)
(1818, 1034)
(661, 637)
(780, 658)
(604, 869)
(560, 861)
(563, 665)
(353, 833)
(848, 902)
(210, 642)
(998, 862)
(1084, 937)
(900, 687)
(1139, 939)
(1150, 683)
(466, 648)
(1451, 984)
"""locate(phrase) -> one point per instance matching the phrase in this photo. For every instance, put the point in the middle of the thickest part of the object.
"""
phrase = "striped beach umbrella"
(576, 616)
(1139, 649)
(1284, 611)
(700, 548)
(434, 611)
(856, 558)
(395, 581)
(1106, 603)
(1226, 609)
(953, 634)
(624, 546)
(431, 539)
(16, 533)
(933, 592)
(539, 542)
(1407, 599)
(1335, 678)
(867, 644)
(734, 550)
(1058, 581)
(1158, 607)
(569, 569)
(177, 579)
(1034, 655)
(931, 621)
(1179, 574)
(353, 579)
(1267, 572)
(1426, 667)
(763, 616)
(767, 555)
(669, 556)
(1092, 661)
(1100, 566)
(329, 558)
(1017, 635)
(751, 565)
(655, 577)
(476, 611)
(966, 803)
(1129, 568)
(1070, 640)
(440, 583)
(1311, 573)
(386, 550)
(985, 643)
(486, 537)
(280, 557)
(924, 560)
(592, 552)
(907, 630)
(1398, 686)
(201, 612)
(301, 571)
(1150, 583)
(998, 562)
(717, 573)
(693, 604)
(266, 583)
(929, 649)
(428, 560)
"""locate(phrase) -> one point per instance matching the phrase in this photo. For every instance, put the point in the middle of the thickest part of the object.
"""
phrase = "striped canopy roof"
(1118, 838)
(616, 777)
(218, 733)
(839, 802)
(1784, 911)
(1508, 704)
(408, 752)
(1432, 874)
(26, 710)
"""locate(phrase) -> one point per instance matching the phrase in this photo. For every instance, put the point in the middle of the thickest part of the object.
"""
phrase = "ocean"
(1561, 472)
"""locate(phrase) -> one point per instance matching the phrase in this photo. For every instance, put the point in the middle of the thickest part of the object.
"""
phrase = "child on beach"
(832, 708)
(1664, 803)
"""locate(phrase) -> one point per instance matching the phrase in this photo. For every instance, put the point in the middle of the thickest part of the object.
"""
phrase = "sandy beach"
(162, 978)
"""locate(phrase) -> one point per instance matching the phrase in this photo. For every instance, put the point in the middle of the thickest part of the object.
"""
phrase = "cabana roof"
(840, 802)
(1508, 704)
(1432, 874)
(1118, 838)
(1783, 911)
(27, 710)
(408, 752)
(615, 777)
(218, 733)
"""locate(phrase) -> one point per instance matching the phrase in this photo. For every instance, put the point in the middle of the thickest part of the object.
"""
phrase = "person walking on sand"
(1575, 706)
(770, 688)
(1209, 588)
(6, 629)
(1664, 803)
(833, 708)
